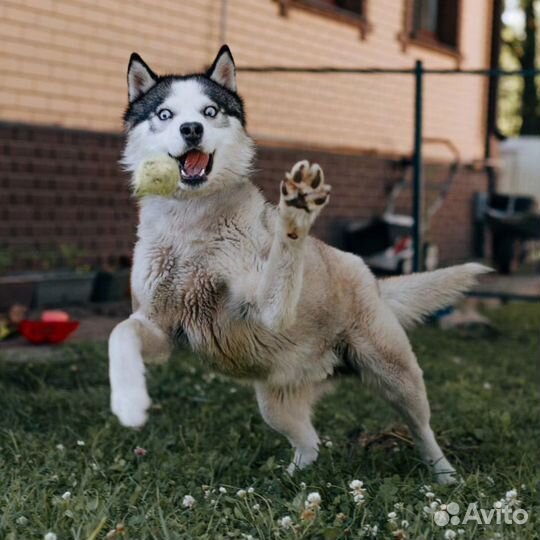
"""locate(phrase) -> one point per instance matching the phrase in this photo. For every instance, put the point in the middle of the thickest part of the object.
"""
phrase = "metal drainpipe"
(418, 191)
(223, 22)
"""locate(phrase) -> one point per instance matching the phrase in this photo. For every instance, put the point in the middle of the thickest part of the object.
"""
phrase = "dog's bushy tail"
(413, 297)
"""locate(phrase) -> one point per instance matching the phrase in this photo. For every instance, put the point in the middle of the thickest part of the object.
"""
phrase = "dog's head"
(198, 120)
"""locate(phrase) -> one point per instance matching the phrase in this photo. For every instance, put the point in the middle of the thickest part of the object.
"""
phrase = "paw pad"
(304, 187)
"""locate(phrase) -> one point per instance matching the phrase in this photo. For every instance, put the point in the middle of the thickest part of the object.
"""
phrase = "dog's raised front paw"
(131, 406)
(303, 195)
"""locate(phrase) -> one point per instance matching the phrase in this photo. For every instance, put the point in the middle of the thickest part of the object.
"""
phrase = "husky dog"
(242, 282)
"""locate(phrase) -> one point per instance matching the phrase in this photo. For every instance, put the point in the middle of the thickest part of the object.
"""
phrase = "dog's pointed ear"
(223, 70)
(140, 77)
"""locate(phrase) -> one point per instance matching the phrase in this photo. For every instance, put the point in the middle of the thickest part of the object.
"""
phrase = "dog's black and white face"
(197, 119)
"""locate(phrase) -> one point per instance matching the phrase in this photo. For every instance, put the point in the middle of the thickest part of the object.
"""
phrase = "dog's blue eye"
(210, 111)
(164, 114)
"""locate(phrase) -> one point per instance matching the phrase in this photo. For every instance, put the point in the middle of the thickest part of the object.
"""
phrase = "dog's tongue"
(195, 163)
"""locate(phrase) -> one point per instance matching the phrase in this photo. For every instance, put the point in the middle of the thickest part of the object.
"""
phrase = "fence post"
(417, 168)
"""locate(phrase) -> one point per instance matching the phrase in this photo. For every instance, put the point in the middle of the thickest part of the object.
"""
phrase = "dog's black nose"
(192, 132)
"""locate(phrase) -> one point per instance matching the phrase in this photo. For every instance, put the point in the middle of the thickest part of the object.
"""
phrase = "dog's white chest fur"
(184, 280)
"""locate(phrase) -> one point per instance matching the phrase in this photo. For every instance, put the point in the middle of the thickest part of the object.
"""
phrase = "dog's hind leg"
(387, 361)
(130, 341)
(288, 411)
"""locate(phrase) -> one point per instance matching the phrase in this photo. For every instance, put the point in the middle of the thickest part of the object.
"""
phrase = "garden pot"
(55, 289)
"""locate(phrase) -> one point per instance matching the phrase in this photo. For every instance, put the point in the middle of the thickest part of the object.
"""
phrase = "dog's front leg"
(303, 195)
(129, 341)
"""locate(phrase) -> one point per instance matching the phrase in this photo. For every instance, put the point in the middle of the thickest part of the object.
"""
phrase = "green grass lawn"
(206, 439)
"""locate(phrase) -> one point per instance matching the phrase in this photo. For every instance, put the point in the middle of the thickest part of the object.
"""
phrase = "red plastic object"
(47, 332)
(54, 315)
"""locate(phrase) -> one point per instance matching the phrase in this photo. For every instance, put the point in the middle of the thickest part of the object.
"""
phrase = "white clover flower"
(328, 444)
(430, 494)
(449, 534)
(487, 385)
(66, 496)
(222, 490)
(511, 495)
(285, 522)
(356, 484)
(241, 493)
(81, 443)
(188, 501)
(399, 506)
(434, 505)
(498, 504)
(22, 520)
(302, 485)
(357, 491)
(371, 530)
(461, 532)
(392, 516)
(405, 524)
(50, 536)
(60, 447)
(256, 507)
(251, 490)
(313, 500)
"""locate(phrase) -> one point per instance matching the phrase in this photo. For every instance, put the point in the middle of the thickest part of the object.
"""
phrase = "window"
(436, 22)
(433, 24)
(348, 11)
(354, 6)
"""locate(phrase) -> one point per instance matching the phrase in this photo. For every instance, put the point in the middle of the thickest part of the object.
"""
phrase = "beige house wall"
(63, 62)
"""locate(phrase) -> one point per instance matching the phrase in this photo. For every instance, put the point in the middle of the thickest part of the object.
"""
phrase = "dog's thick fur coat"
(242, 282)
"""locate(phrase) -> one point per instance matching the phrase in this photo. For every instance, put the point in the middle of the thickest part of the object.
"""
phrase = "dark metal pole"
(417, 168)
(493, 88)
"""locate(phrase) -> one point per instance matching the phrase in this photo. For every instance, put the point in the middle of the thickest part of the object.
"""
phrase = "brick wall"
(65, 187)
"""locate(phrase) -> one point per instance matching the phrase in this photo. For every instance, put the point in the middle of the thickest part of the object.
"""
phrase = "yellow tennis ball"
(157, 176)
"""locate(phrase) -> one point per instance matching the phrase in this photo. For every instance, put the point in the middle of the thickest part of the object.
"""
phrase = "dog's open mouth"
(195, 166)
